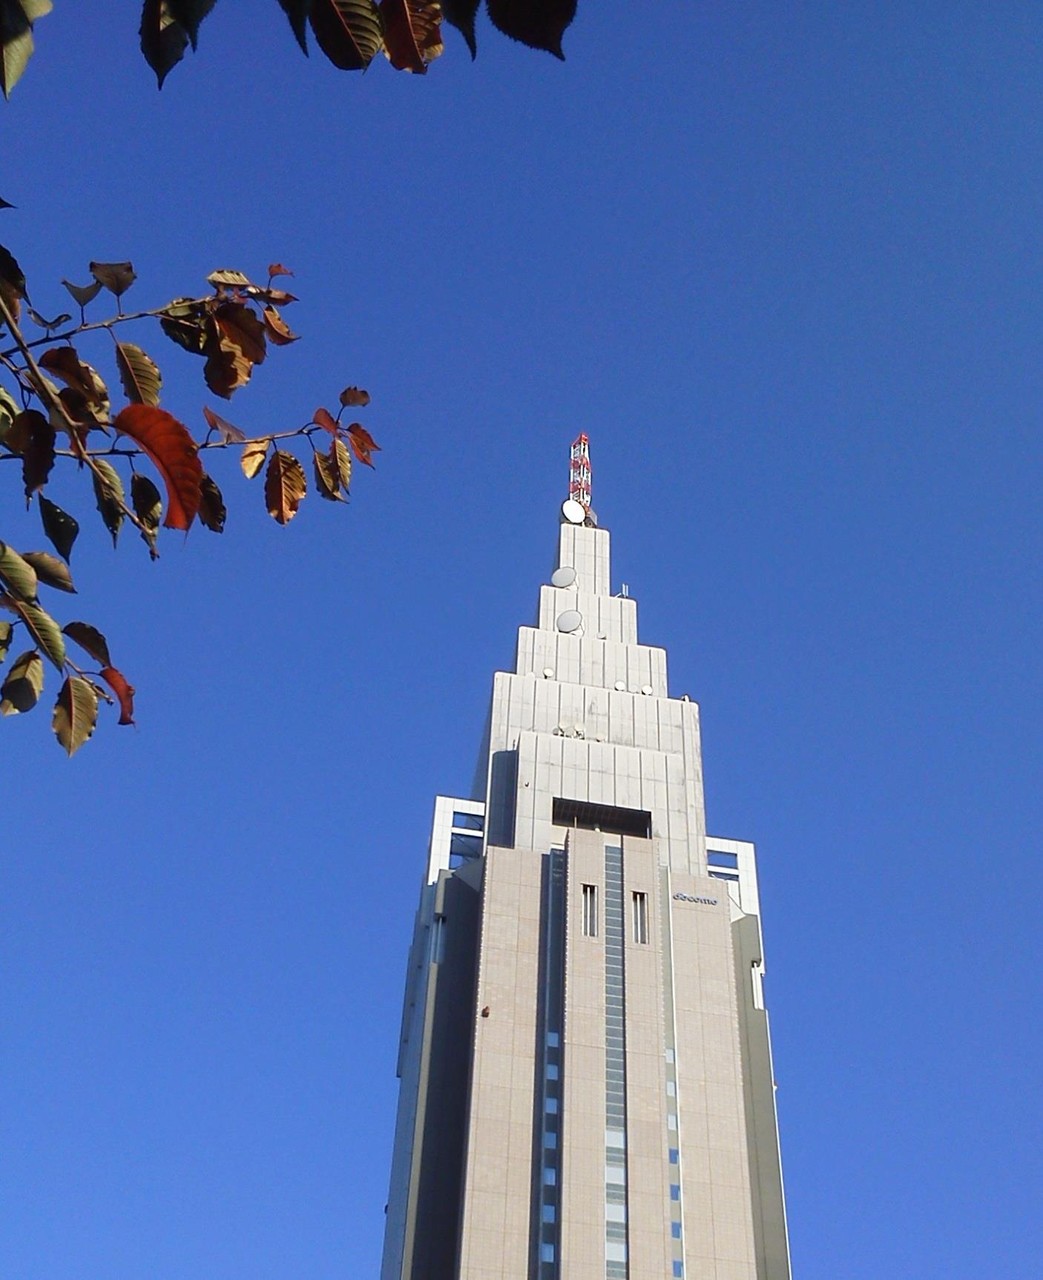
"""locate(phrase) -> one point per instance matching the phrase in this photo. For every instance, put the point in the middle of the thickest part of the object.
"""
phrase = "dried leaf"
(362, 443)
(6, 628)
(190, 13)
(185, 322)
(148, 507)
(75, 713)
(349, 32)
(108, 495)
(254, 454)
(327, 482)
(63, 318)
(43, 628)
(461, 15)
(538, 23)
(412, 33)
(234, 343)
(83, 293)
(117, 277)
(163, 38)
(173, 452)
(278, 330)
(35, 437)
(50, 570)
(276, 268)
(212, 510)
(60, 527)
(323, 418)
(139, 374)
(12, 280)
(340, 456)
(297, 12)
(17, 575)
(90, 640)
(228, 279)
(16, 38)
(352, 396)
(229, 434)
(80, 378)
(284, 486)
(123, 690)
(9, 410)
(24, 683)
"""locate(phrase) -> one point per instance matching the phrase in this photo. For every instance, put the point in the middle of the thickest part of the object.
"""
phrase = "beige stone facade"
(587, 1090)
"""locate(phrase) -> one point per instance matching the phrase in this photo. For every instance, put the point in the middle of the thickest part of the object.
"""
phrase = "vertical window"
(639, 912)
(438, 940)
(590, 910)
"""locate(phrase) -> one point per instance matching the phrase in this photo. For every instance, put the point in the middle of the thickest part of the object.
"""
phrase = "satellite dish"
(646, 689)
(620, 686)
(570, 620)
(573, 511)
(548, 672)
(563, 577)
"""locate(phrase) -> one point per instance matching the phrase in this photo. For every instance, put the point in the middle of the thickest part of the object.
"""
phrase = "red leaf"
(412, 33)
(279, 331)
(362, 443)
(323, 418)
(173, 451)
(123, 690)
(229, 433)
(277, 269)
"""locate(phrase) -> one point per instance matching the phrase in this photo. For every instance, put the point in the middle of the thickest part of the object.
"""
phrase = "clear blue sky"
(783, 263)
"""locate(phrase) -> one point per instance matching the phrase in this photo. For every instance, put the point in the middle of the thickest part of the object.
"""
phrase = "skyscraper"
(586, 1082)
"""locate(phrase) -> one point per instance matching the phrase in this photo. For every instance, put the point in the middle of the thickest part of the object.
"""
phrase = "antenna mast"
(579, 471)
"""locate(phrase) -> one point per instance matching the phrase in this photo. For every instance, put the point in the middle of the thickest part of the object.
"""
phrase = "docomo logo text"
(687, 897)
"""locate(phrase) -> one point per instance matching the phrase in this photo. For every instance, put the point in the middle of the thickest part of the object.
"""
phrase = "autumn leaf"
(139, 374)
(24, 683)
(16, 574)
(297, 12)
(235, 342)
(81, 379)
(33, 437)
(108, 495)
(362, 443)
(148, 507)
(229, 434)
(276, 268)
(6, 628)
(278, 330)
(75, 713)
(163, 38)
(461, 15)
(412, 33)
(538, 23)
(90, 640)
(226, 278)
(173, 452)
(284, 486)
(16, 38)
(349, 32)
(354, 396)
(327, 481)
(50, 570)
(212, 510)
(254, 454)
(60, 527)
(83, 293)
(117, 277)
(185, 322)
(41, 626)
(340, 457)
(123, 690)
(12, 278)
(323, 418)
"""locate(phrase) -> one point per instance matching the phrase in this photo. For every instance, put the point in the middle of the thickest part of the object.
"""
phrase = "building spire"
(579, 471)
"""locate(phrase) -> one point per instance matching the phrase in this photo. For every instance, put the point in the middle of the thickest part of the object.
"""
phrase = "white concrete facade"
(587, 1090)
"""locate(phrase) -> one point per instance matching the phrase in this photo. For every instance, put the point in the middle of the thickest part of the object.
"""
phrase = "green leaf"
(139, 374)
(6, 628)
(327, 482)
(42, 627)
(8, 412)
(50, 570)
(340, 454)
(147, 502)
(90, 641)
(17, 575)
(108, 493)
(60, 527)
(349, 32)
(17, 39)
(212, 511)
(75, 713)
(297, 12)
(24, 683)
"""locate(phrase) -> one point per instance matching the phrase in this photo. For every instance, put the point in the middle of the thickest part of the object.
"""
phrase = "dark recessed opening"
(602, 817)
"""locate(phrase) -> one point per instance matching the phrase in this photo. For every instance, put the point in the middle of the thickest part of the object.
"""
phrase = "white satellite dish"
(563, 577)
(570, 620)
(573, 511)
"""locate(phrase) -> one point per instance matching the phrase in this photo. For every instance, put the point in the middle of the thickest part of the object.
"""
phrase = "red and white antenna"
(579, 471)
